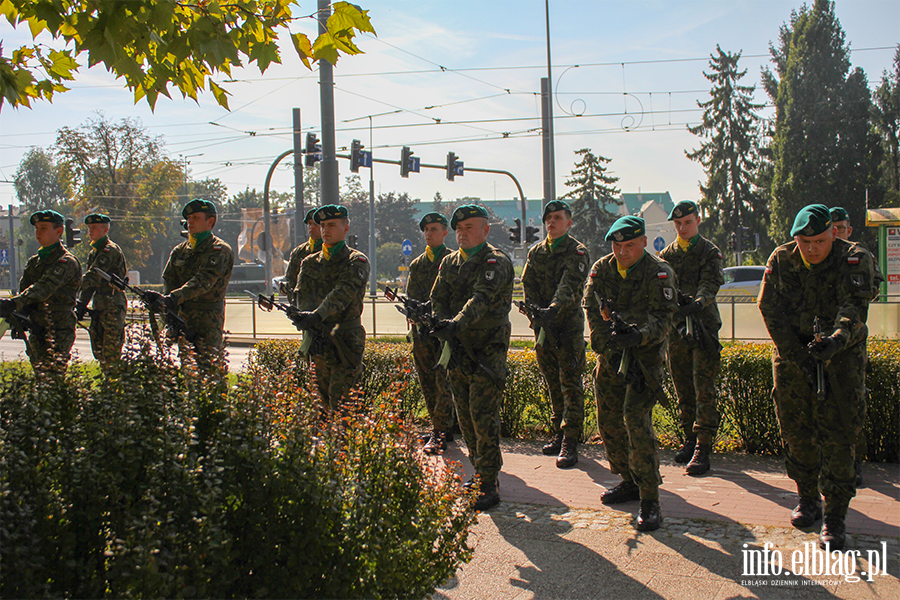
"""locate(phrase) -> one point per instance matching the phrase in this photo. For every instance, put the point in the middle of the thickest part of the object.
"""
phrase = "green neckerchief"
(329, 251)
(196, 238)
(433, 253)
(316, 244)
(467, 254)
(634, 266)
(554, 244)
(691, 243)
(99, 244)
(45, 252)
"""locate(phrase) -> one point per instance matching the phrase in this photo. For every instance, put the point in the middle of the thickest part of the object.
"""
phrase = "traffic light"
(531, 234)
(732, 242)
(406, 162)
(353, 240)
(515, 233)
(313, 150)
(451, 166)
(184, 232)
(745, 240)
(356, 158)
(72, 238)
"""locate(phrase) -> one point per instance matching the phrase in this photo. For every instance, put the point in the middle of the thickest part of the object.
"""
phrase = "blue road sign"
(659, 243)
(365, 159)
(406, 247)
(459, 169)
(4, 257)
(414, 163)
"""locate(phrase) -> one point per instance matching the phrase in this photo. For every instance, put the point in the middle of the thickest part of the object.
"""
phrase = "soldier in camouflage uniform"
(554, 283)
(819, 276)
(841, 221)
(109, 302)
(48, 287)
(472, 296)
(694, 361)
(331, 291)
(292, 275)
(423, 271)
(641, 290)
(196, 279)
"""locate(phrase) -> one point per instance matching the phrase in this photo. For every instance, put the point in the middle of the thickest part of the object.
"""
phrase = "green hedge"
(156, 483)
(744, 389)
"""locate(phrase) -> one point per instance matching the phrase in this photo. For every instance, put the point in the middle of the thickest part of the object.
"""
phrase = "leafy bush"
(153, 482)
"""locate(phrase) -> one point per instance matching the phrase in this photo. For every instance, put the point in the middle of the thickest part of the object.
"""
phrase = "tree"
(39, 182)
(728, 128)
(820, 147)
(156, 43)
(886, 118)
(593, 189)
(118, 169)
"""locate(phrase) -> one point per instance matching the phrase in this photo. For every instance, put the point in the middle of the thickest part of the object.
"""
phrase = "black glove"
(691, 308)
(7, 306)
(306, 319)
(628, 339)
(80, 311)
(155, 300)
(546, 315)
(825, 349)
(445, 330)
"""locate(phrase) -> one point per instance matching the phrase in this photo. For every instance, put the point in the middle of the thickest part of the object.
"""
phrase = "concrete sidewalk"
(552, 538)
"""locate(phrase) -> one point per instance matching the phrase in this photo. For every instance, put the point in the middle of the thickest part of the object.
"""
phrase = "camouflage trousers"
(50, 352)
(335, 379)
(624, 418)
(107, 335)
(820, 437)
(208, 350)
(478, 398)
(562, 368)
(435, 386)
(694, 371)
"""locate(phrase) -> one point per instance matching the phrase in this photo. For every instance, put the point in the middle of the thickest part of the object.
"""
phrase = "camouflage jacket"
(645, 298)
(698, 274)
(422, 273)
(837, 290)
(292, 274)
(51, 284)
(556, 278)
(476, 293)
(198, 278)
(334, 288)
(108, 258)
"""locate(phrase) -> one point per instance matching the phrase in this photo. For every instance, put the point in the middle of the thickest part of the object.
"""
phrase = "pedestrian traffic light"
(353, 240)
(451, 166)
(72, 238)
(313, 150)
(531, 234)
(405, 161)
(356, 155)
(732, 242)
(515, 233)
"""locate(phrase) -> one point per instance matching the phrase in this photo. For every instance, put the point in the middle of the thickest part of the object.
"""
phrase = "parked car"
(741, 284)
(248, 276)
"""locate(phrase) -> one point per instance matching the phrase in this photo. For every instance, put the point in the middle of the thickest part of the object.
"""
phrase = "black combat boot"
(859, 477)
(808, 511)
(684, 454)
(625, 491)
(554, 445)
(568, 454)
(488, 496)
(649, 516)
(436, 444)
(700, 462)
(833, 532)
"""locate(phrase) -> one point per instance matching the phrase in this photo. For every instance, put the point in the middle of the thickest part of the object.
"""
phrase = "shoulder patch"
(361, 258)
(106, 249)
(63, 259)
(580, 251)
(491, 261)
(768, 270)
(217, 247)
(719, 252)
(852, 260)
(594, 273)
(662, 275)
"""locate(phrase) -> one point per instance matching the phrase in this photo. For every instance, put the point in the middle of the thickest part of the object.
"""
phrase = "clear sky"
(474, 65)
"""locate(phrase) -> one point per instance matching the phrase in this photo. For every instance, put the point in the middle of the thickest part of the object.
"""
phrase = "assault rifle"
(315, 341)
(20, 322)
(541, 325)
(820, 365)
(629, 367)
(174, 321)
(418, 313)
(694, 329)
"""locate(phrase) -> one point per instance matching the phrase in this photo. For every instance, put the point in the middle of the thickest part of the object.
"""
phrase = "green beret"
(47, 216)
(467, 211)
(554, 206)
(197, 205)
(626, 228)
(310, 214)
(95, 218)
(432, 217)
(683, 209)
(839, 214)
(812, 220)
(330, 211)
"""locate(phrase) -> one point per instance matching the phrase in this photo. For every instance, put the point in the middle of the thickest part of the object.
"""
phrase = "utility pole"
(548, 124)
(299, 212)
(328, 168)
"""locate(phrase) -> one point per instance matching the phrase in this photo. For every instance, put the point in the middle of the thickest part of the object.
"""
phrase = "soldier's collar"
(432, 253)
(196, 238)
(554, 244)
(44, 252)
(686, 245)
(329, 251)
(99, 244)
(467, 254)
(625, 272)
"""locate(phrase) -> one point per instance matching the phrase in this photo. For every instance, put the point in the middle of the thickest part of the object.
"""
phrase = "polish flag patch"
(491, 261)
(852, 260)
(662, 275)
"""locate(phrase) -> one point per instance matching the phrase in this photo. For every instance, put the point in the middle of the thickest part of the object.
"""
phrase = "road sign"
(659, 243)
(365, 159)
(406, 247)
(4, 257)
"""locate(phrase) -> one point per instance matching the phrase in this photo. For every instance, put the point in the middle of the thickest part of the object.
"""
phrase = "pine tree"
(886, 118)
(593, 190)
(729, 127)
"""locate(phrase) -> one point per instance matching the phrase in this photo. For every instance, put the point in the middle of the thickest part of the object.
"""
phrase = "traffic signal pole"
(328, 170)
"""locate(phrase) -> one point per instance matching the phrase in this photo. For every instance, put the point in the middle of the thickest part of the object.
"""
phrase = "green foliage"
(592, 192)
(156, 43)
(883, 403)
(155, 482)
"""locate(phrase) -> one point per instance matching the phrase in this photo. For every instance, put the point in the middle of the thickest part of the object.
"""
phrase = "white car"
(741, 284)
